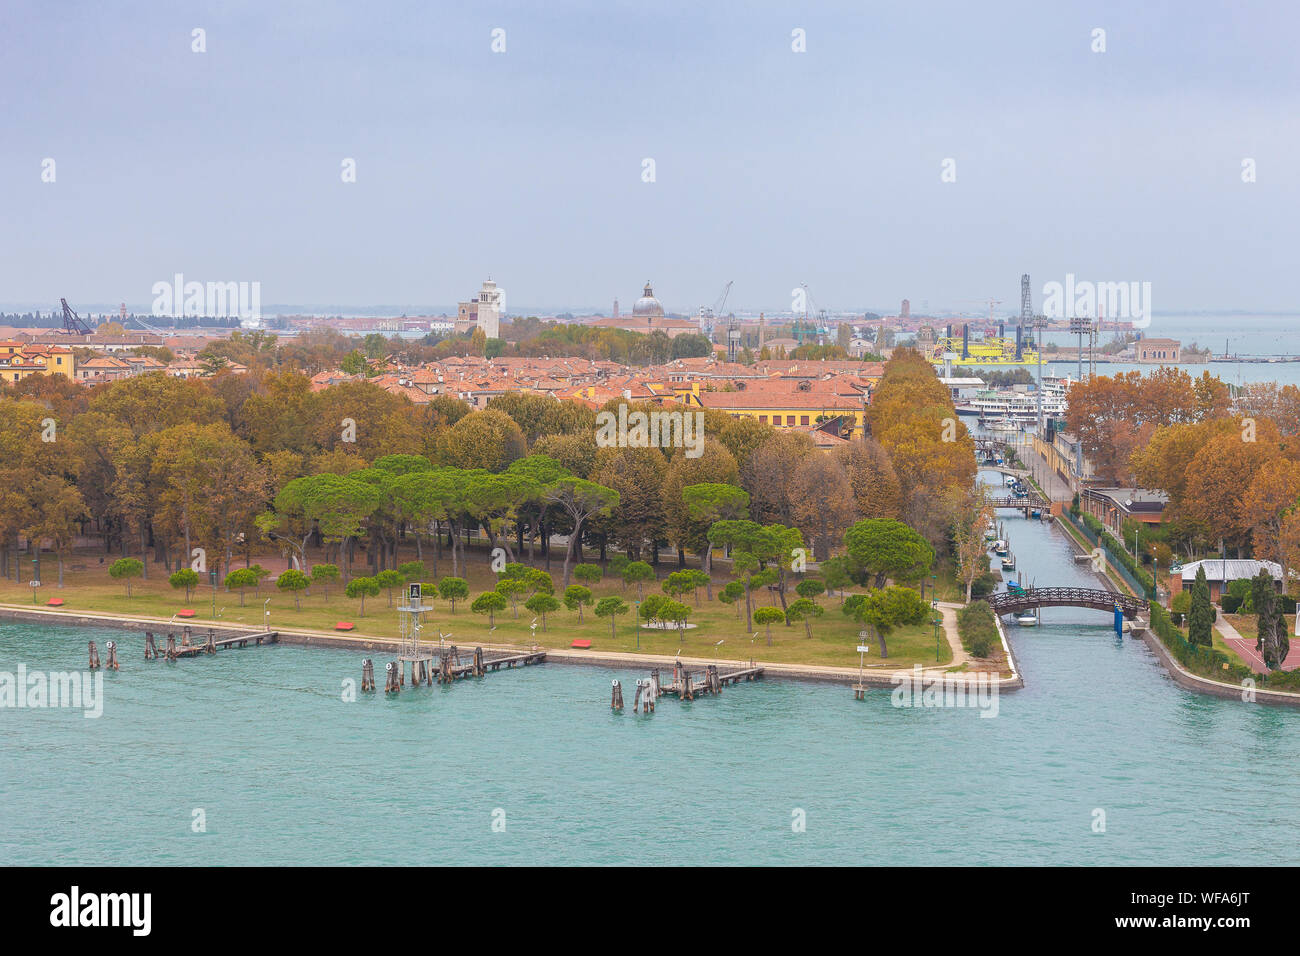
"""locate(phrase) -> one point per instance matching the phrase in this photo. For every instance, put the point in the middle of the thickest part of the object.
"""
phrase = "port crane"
(710, 312)
(73, 323)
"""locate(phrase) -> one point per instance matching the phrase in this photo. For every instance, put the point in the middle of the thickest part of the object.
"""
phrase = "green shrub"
(978, 629)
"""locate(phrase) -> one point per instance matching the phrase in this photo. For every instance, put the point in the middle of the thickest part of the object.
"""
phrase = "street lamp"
(936, 623)
(636, 610)
(212, 576)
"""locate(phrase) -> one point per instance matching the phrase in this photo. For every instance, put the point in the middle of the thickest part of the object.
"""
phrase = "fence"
(1117, 561)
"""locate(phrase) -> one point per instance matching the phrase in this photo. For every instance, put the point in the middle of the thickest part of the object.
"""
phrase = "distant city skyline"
(772, 168)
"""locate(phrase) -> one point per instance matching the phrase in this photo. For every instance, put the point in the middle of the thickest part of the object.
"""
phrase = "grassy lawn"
(834, 636)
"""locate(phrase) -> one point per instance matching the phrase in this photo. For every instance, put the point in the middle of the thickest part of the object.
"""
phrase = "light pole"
(212, 576)
(936, 623)
(636, 611)
(266, 615)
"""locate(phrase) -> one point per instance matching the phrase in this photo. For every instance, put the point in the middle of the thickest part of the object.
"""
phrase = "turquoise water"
(286, 772)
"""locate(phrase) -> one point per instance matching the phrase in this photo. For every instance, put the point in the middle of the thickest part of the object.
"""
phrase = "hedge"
(977, 628)
(1205, 661)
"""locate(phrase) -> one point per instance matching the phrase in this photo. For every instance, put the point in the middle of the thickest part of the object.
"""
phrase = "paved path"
(949, 610)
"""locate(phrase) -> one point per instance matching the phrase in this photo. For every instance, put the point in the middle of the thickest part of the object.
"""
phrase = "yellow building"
(19, 360)
(785, 407)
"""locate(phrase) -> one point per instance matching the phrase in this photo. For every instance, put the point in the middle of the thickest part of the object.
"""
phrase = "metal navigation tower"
(410, 616)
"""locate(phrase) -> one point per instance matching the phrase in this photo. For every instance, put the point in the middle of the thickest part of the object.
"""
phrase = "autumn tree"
(824, 504)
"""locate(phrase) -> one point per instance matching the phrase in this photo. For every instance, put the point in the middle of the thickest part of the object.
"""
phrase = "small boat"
(1000, 548)
(1009, 562)
(1029, 619)
(1002, 425)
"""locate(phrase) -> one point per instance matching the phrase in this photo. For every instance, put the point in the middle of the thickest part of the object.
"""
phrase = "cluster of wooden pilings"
(111, 647)
(448, 666)
(685, 685)
(210, 645)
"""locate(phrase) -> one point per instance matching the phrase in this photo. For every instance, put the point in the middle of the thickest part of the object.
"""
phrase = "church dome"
(647, 304)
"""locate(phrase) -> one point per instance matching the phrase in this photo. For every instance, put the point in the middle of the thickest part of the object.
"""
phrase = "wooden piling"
(616, 696)
(150, 647)
(392, 685)
(94, 656)
(478, 662)
(367, 675)
(112, 655)
(171, 647)
(211, 646)
(185, 636)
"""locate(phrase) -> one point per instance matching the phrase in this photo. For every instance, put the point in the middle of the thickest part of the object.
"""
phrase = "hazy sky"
(773, 168)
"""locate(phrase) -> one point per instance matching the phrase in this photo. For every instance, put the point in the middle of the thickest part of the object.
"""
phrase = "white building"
(485, 309)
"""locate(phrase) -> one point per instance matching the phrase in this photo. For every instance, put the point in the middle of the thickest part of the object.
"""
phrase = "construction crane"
(72, 323)
(710, 312)
(811, 308)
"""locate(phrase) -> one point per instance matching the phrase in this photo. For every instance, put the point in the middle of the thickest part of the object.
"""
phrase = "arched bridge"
(1016, 602)
(1031, 500)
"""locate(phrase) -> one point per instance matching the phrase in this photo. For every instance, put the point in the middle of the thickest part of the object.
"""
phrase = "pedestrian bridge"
(1017, 602)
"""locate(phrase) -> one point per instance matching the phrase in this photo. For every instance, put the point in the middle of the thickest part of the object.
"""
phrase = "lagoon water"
(287, 773)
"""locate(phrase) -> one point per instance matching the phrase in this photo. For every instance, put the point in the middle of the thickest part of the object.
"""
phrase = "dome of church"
(647, 304)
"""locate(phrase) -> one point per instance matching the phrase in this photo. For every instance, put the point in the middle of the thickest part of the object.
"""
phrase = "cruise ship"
(1005, 404)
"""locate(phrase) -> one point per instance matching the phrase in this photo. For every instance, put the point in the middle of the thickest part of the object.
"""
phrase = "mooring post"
(112, 655)
(171, 646)
(616, 696)
(392, 686)
(150, 648)
(688, 692)
(478, 662)
(185, 636)
(211, 647)
(367, 675)
(94, 656)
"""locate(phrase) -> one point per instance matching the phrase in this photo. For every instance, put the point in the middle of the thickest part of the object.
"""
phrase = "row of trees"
(223, 464)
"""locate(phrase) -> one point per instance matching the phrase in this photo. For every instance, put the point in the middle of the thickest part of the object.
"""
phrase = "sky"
(772, 168)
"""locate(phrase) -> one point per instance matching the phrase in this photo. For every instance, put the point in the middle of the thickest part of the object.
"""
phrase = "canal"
(252, 757)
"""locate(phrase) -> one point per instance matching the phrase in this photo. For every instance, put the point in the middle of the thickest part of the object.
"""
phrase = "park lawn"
(834, 636)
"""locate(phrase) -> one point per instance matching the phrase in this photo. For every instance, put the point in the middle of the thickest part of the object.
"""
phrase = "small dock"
(685, 685)
(209, 645)
(444, 666)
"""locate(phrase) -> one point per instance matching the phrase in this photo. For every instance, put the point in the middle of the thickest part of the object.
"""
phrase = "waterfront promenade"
(880, 673)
